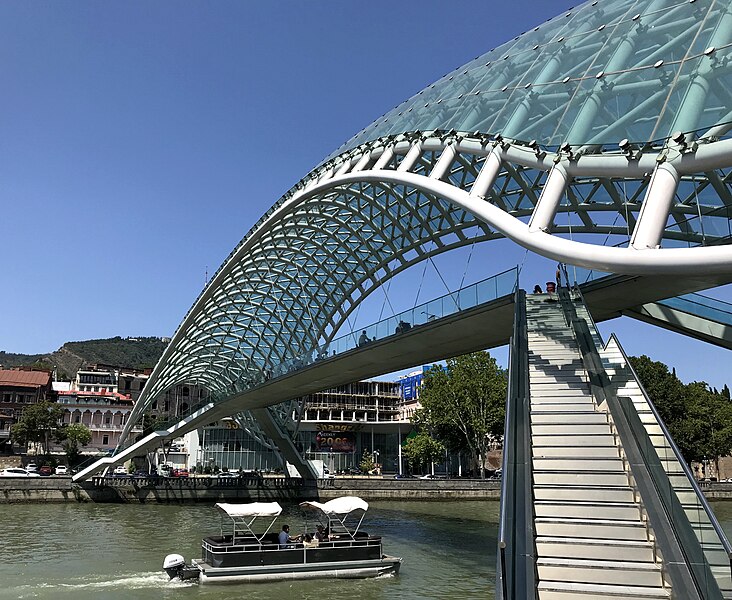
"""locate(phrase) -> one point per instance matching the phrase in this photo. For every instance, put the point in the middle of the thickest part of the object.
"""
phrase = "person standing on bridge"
(364, 339)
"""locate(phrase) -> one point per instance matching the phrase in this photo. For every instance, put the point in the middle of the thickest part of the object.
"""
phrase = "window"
(105, 440)
(107, 419)
(77, 418)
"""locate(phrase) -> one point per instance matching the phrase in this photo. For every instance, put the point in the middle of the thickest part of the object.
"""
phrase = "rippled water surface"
(109, 551)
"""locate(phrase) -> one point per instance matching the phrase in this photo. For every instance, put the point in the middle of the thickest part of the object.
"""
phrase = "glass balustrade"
(701, 306)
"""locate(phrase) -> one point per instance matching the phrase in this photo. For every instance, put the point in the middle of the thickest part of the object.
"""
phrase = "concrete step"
(572, 360)
(577, 417)
(589, 428)
(536, 370)
(620, 511)
(583, 439)
(606, 529)
(621, 550)
(539, 376)
(540, 392)
(548, 492)
(559, 590)
(539, 385)
(561, 406)
(601, 572)
(578, 463)
(572, 452)
(590, 479)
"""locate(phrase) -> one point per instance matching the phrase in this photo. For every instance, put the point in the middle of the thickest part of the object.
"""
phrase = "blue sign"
(410, 387)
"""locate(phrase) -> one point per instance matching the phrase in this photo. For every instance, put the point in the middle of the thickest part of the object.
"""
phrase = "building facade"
(20, 388)
(104, 413)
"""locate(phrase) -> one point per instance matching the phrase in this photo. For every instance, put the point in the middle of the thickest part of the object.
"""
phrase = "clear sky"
(139, 141)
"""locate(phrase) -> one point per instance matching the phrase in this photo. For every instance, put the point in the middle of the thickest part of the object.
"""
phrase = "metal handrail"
(679, 457)
(516, 551)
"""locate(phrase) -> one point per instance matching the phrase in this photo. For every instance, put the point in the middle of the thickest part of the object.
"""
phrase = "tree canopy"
(422, 450)
(698, 418)
(39, 424)
(463, 405)
(72, 437)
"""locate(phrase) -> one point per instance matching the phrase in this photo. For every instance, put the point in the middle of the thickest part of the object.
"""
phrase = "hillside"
(123, 352)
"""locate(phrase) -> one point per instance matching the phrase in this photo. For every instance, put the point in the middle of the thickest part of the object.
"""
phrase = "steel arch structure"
(598, 139)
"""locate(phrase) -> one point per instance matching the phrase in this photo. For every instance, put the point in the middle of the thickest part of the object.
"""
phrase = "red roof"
(32, 379)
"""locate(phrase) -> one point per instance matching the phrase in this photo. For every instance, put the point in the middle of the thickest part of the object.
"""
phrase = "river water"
(112, 551)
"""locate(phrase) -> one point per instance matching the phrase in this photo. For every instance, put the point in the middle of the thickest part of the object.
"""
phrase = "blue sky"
(139, 141)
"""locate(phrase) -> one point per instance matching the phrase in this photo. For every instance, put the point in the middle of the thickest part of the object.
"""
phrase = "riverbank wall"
(255, 489)
(258, 489)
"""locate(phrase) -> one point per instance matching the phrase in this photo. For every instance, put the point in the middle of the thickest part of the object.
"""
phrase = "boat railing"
(228, 547)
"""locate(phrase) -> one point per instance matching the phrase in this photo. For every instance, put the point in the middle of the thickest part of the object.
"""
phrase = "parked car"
(140, 473)
(45, 471)
(31, 467)
(17, 472)
(62, 470)
(120, 472)
(227, 475)
(180, 473)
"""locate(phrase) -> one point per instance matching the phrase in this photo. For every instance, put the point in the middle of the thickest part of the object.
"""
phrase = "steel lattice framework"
(607, 125)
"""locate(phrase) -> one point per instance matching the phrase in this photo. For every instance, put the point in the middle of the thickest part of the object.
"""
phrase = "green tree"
(368, 464)
(423, 450)
(664, 388)
(698, 418)
(39, 423)
(463, 406)
(73, 436)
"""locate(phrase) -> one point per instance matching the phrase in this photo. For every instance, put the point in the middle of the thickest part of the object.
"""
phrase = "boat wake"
(139, 581)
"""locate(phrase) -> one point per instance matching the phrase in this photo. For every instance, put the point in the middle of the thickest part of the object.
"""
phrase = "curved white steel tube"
(630, 261)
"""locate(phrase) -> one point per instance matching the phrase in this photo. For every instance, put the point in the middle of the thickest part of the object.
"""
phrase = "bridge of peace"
(599, 139)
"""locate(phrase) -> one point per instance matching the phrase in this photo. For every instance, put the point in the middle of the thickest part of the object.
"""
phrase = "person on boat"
(309, 541)
(285, 540)
(321, 535)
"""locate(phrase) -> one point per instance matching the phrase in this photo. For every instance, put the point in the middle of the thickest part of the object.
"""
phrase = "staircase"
(592, 538)
(691, 498)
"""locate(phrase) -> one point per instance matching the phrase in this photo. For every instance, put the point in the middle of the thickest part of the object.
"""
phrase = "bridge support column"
(270, 427)
(488, 174)
(551, 196)
(656, 207)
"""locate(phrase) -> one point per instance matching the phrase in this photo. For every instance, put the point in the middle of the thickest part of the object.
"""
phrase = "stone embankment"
(258, 489)
(253, 489)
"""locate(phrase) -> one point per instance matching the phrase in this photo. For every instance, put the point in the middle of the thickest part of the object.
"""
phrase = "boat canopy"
(339, 506)
(252, 509)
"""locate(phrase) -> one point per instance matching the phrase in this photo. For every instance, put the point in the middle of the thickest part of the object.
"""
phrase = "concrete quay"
(248, 489)
(258, 489)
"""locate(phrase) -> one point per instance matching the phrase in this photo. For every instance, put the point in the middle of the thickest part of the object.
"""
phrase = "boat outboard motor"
(175, 566)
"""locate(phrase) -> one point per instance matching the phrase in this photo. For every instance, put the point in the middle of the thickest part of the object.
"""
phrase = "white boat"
(242, 554)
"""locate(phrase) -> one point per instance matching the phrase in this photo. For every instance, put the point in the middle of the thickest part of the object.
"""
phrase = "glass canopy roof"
(605, 71)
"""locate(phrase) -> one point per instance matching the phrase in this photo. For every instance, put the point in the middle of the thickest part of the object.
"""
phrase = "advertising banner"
(335, 441)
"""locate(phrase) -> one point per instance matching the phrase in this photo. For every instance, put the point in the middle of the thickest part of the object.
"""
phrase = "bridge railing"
(486, 290)
(468, 297)
(712, 309)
